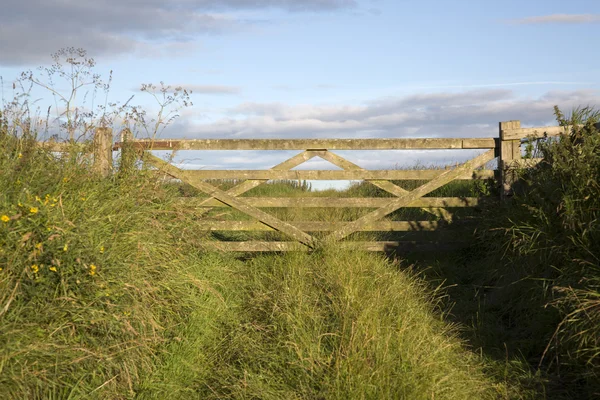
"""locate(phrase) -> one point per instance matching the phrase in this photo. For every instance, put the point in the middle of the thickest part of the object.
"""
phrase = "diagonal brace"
(409, 197)
(284, 166)
(232, 201)
(388, 186)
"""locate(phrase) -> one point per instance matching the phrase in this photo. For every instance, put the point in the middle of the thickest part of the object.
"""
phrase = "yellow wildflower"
(1, 269)
(39, 246)
(101, 249)
(35, 268)
(53, 269)
(37, 198)
(5, 218)
(33, 210)
(20, 155)
(92, 270)
(66, 247)
(65, 180)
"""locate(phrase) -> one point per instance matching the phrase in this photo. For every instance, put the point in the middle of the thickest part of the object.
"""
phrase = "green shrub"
(549, 238)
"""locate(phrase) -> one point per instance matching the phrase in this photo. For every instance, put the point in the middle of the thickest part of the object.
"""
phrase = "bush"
(550, 236)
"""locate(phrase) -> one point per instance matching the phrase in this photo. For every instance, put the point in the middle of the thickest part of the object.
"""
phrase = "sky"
(325, 68)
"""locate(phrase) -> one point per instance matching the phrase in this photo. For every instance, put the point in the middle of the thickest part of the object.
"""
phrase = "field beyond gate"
(377, 210)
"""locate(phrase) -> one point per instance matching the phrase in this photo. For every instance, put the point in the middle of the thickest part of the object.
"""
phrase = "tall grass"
(105, 294)
(86, 273)
(536, 272)
(332, 324)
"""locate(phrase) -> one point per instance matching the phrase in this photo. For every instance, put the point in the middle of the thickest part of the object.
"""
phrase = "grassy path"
(331, 325)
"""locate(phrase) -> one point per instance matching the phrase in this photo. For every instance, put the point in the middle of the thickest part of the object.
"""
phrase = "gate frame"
(507, 147)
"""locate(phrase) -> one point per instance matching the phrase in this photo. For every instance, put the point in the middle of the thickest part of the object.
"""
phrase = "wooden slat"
(408, 198)
(320, 226)
(313, 144)
(350, 166)
(538, 132)
(254, 246)
(391, 246)
(382, 184)
(338, 202)
(286, 165)
(509, 150)
(403, 246)
(225, 198)
(335, 175)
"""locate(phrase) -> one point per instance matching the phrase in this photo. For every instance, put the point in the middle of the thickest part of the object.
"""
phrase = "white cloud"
(559, 19)
(466, 114)
(212, 89)
(30, 30)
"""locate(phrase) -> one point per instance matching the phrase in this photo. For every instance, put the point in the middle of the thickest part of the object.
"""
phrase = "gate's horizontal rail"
(394, 174)
(339, 202)
(320, 226)
(311, 144)
(538, 132)
(255, 246)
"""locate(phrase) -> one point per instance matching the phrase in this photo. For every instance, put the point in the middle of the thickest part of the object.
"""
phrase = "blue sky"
(327, 68)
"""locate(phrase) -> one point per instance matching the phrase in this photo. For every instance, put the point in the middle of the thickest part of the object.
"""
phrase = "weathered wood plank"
(321, 226)
(254, 246)
(419, 192)
(397, 246)
(103, 161)
(232, 201)
(350, 166)
(314, 144)
(382, 184)
(335, 174)
(285, 165)
(517, 133)
(441, 213)
(339, 202)
(509, 150)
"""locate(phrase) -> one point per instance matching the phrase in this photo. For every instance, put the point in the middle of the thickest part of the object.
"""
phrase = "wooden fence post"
(129, 155)
(510, 150)
(103, 151)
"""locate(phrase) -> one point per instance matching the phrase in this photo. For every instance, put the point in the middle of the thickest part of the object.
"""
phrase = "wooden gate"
(300, 232)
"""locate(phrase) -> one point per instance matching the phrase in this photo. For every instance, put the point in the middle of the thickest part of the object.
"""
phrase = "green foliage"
(104, 294)
(87, 267)
(549, 238)
(105, 291)
(333, 325)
